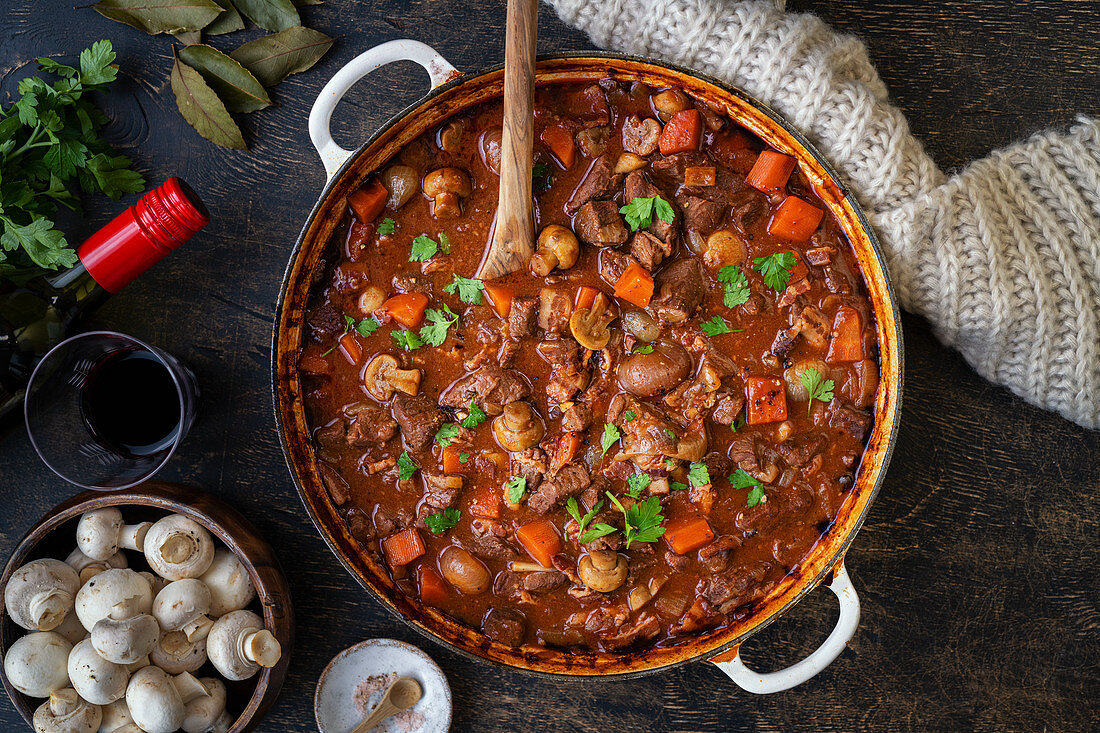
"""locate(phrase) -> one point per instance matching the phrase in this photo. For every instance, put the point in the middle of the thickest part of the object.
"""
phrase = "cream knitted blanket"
(1003, 258)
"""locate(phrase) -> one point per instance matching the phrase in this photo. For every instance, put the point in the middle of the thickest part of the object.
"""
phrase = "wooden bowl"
(55, 536)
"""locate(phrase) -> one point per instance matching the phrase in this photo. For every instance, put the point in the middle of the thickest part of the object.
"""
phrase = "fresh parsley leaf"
(516, 487)
(629, 415)
(755, 497)
(541, 177)
(637, 483)
(444, 243)
(715, 326)
(463, 457)
(738, 423)
(818, 388)
(582, 521)
(610, 435)
(405, 466)
(639, 212)
(677, 486)
(469, 289)
(698, 474)
(776, 269)
(367, 326)
(475, 417)
(600, 529)
(407, 340)
(741, 479)
(435, 333)
(423, 248)
(736, 286)
(387, 227)
(670, 434)
(447, 432)
(644, 349)
(444, 520)
(643, 520)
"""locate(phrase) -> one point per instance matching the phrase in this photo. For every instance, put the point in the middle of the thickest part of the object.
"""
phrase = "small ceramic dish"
(356, 678)
(55, 536)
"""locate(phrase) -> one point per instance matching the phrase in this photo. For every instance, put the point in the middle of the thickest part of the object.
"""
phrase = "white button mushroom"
(40, 594)
(67, 713)
(175, 654)
(116, 717)
(207, 714)
(125, 640)
(87, 568)
(182, 606)
(36, 663)
(118, 593)
(156, 582)
(101, 533)
(97, 680)
(177, 547)
(239, 645)
(71, 628)
(230, 587)
(157, 701)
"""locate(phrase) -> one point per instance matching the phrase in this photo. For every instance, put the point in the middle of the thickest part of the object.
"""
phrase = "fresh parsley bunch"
(49, 144)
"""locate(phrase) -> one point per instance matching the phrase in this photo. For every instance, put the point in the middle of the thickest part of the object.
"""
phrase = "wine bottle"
(37, 315)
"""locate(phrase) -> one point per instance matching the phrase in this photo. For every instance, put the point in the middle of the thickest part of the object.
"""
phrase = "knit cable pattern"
(1003, 258)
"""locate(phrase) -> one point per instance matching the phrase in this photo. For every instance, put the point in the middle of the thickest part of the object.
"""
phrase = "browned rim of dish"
(226, 524)
(432, 109)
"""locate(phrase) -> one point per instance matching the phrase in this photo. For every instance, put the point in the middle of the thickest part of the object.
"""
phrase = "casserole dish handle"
(439, 71)
(763, 683)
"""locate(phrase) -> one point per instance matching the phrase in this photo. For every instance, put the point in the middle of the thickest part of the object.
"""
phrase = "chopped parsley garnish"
(738, 423)
(736, 285)
(629, 415)
(444, 243)
(717, 325)
(515, 488)
(475, 418)
(637, 483)
(423, 248)
(610, 435)
(463, 457)
(435, 333)
(469, 289)
(444, 520)
(776, 269)
(742, 480)
(407, 340)
(540, 177)
(644, 349)
(670, 434)
(365, 327)
(447, 432)
(755, 497)
(819, 389)
(643, 520)
(677, 486)
(639, 212)
(599, 530)
(698, 475)
(405, 466)
(388, 226)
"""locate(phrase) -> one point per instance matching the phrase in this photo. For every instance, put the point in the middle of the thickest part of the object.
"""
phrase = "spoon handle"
(384, 710)
(514, 232)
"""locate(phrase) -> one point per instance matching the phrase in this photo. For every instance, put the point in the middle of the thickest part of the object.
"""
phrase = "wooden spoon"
(402, 695)
(514, 233)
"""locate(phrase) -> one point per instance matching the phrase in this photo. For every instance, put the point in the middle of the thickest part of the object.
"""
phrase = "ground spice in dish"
(368, 694)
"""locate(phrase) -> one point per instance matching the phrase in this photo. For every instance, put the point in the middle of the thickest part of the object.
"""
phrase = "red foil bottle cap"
(141, 236)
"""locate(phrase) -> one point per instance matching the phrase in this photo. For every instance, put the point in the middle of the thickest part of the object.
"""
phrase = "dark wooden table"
(977, 568)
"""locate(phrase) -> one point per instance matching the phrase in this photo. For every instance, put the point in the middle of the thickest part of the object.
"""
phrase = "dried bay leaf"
(189, 37)
(273, 58)
(202, 109)
(274, 15)
(160, 16)
(227, 22)
(238, 89)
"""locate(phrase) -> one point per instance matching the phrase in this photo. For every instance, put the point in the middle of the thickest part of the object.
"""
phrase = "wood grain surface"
(978, 567)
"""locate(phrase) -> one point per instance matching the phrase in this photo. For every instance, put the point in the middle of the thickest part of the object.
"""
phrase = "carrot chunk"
(350, 348)
(846, 343)
(770, 172)
(407, 308)
(767, 400)
(402, 548)
(500, 298)
(795, 220)
(560, 142)
(541, 540)
(485, 503)
(682, 132)
(635, 285)
(368, 201)
(433, 591)
(688, 534)
(586, 296)
(451, 458)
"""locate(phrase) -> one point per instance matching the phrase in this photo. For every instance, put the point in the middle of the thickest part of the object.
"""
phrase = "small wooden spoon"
(402, 695)
(514, 233)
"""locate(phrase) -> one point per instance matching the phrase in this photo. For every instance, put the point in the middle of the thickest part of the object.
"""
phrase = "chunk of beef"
(490, 387)
(820, 255)
(577, 418)
(644, 628)
(555, 307)
(538, 581)
(648, 250)
(670, 169)
(742, 451)
(325, 322)
(702, 215)
(568, 376)
(612, 265)
(441, 491)
(560, 351)
(676, 562)
(784, 342)
(570, 480)
(640, 136)
(813, 326)
(836, 281)
(590, 106)
(798, 451)
(523, 318)
(337, 487)
(419, 418)
(679, 291)
(412, 284)
(855, 422)
(598, 223)
(505, 625)
(370, 426)
(744, 215)
(531, 465)
(509, 350)
(598, 182)
(637, 186)
(727, 408)
(489, 547)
